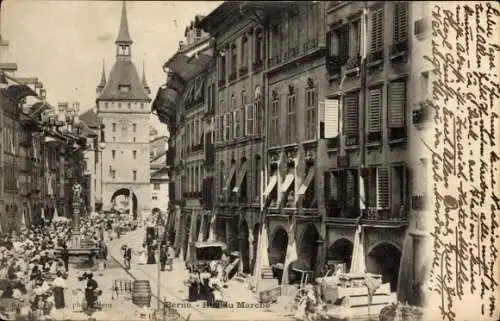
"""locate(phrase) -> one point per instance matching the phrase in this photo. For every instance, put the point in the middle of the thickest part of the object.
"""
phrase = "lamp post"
(102, 146)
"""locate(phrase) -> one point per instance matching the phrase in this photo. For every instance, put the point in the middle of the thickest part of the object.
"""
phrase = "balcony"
(351, 140)
(422, 27)
(352, 66)
(332, 143)
(274, 61)
(257, 65)
(399, 52)
(373, 215)
(197, 148)
(422, 115)
(222, 82)
(310, 45)
(333, 66)
(375, 60)
(233, 75)
(243, 71)
(397, 136)
(374, 139)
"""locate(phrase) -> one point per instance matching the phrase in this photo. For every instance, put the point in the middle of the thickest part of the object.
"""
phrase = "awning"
(289, 178)
(239, 178)
(187, 67)
(307, 182)
(230, 177)
(270, 186)
(165, 103)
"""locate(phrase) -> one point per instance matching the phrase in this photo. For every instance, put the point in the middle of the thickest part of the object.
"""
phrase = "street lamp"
(102, 146)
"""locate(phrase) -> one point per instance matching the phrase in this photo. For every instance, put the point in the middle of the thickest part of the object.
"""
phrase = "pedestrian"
(91, 291)
(163, 256)
(59, 285)
(170, 256)
(127, 256)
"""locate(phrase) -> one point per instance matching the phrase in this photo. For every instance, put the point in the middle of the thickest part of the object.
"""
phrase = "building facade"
(122, 107)
(315, 127)
(159, 174)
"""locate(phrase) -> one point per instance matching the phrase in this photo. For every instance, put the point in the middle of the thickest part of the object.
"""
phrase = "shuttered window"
(350, 113)
(377, 26)
(383, 188)
(343, 49)
(397, 102)
(331, 118)
(375, 110)
(311, 112)
(291, 128)
(273, 128)
(250, 119)
(237, 124)
(400, 31)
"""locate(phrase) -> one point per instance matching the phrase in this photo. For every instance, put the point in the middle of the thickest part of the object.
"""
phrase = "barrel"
(141, 293)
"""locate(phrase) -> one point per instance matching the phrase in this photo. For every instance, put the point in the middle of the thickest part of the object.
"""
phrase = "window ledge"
(398, 141)
(373, 144)
(353, 147)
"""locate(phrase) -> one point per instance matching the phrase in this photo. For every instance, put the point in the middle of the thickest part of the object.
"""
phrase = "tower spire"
(123, 33)
(144, 83)
(102, 83)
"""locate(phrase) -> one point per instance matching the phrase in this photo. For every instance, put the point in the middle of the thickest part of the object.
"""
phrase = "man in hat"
(65, 256)
(127, 256)
(163, 256)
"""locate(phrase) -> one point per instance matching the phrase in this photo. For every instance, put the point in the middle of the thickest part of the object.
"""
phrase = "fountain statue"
(76, 202)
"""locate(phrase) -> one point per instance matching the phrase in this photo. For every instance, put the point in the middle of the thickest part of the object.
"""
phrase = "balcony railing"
(257, 65)
(233, 76)
(376, 214)
(418, 202)
(374, 138)
(243, 70)
(332, 143)
(398, 51)
(309, 45)
(333, 65)
(352, 65)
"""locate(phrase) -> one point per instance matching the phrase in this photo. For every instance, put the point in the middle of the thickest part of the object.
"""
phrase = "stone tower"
(123, 107)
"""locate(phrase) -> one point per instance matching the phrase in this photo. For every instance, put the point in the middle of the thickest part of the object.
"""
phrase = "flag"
(364, 34)
(211, 234)
(291, 251)
(202, 228)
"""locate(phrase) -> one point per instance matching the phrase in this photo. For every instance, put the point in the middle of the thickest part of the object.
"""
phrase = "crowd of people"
(34, 267)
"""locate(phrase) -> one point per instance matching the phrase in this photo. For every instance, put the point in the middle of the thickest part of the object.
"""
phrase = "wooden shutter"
(377, 25)
(250, 119)
(400, 21)
(350, 116)
(331, 118)
(397, 103)
(383, 188)
(343, 34)
(375, 110)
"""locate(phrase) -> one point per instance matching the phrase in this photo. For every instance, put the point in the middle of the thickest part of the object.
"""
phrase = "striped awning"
(270, 186)
(230, 177)
(289, 178)
(241, 175)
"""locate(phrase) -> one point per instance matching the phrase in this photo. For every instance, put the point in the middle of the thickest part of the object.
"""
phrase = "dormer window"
(124, 88)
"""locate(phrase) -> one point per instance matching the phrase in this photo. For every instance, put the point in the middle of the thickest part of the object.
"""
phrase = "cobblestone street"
(175, 292)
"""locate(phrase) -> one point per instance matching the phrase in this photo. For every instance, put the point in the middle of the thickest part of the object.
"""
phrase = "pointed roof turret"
(123, 33)
(144, 83)
(102, 83)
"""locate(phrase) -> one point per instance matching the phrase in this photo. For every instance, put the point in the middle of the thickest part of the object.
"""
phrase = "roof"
(124, 73)
(90, 118)
(123, 33)
(161, 174)
(219, 14)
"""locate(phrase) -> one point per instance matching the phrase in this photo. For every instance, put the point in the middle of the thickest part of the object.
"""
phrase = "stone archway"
(384, 258)
(244, 246)
(120, 202)
(278, 246)
(341, 252)
(308, 250)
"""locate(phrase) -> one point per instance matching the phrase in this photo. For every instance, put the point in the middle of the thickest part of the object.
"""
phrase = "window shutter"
(377, 24)
(397, 104)
(350, 114)
(400, 21)
(344, 43)
(331, 118)
(383, 190)
(375, 110)
(250, 119)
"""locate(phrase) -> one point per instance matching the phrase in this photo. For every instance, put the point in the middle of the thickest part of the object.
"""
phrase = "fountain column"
(76, 202)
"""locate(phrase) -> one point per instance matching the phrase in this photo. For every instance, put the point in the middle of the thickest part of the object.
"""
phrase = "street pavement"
(242, 304)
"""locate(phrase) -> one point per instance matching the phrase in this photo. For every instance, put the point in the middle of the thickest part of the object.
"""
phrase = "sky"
(64, 43)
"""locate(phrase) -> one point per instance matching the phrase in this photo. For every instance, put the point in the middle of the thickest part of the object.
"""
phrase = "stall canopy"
(305, 185)
(239, 178)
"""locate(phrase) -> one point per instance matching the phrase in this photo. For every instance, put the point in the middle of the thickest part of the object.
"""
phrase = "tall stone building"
(122, 105)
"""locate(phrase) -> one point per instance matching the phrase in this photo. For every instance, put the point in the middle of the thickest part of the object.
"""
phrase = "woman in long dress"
(143, 258)
(59, 287)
